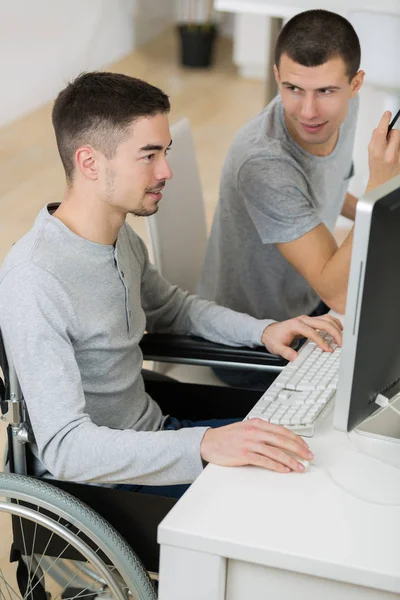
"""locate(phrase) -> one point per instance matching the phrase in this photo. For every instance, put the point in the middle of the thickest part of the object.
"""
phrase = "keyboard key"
(302, 390)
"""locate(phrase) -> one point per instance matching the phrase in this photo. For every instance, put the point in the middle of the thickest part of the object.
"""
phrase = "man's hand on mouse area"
(255, 442)
(277, 337)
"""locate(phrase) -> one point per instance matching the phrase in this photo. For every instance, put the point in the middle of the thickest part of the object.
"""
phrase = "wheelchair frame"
(122, 534)
(135, 516)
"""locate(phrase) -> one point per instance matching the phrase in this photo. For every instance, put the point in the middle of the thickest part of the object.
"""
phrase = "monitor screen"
(370, 357)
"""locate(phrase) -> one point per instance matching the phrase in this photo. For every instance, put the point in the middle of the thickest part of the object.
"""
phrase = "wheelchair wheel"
(51, 533)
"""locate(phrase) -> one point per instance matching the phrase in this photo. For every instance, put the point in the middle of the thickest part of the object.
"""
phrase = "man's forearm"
(349, 206)
(335, 276)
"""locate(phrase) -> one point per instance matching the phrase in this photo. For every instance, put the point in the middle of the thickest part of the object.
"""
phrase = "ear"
(277, 76)
(356, 83)
(87, 163)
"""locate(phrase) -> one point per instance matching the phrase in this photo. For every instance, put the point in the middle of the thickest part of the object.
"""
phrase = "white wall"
(251, 45)
(381, 90)
(44, 43)
(151, 17)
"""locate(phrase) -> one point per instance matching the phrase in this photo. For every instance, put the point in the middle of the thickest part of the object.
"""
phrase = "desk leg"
(188, 574)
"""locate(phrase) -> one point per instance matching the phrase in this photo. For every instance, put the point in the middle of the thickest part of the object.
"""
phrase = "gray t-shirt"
(272, 191)
(73, 313)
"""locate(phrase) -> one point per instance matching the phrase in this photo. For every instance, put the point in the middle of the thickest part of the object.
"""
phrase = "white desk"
(250, 534)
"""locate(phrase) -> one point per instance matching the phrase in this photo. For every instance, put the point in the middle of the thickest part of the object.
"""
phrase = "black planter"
(196, 44)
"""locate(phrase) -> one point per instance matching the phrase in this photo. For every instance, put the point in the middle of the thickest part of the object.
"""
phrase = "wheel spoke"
(33, 548)
(8, 587)
(38, 566)
(48, 568)
(80, 595)
(68, 584)
(51, 521)
(28, 587)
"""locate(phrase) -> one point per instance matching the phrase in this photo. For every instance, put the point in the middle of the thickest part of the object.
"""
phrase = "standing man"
(284, 181)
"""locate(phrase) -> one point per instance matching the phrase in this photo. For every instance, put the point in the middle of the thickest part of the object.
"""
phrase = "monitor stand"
(384, 424)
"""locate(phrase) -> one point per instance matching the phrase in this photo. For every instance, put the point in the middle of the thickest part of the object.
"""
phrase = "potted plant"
(197, 32)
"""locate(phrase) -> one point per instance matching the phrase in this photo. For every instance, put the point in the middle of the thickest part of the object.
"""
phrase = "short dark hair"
(97, 108)
(313, 37)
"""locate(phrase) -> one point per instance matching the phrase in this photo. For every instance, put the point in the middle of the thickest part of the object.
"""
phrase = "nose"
(164, 170)
(308, 109)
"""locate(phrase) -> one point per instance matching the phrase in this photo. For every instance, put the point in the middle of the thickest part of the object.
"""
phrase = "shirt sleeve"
(170, 309)
(275, 194)
(39, 325)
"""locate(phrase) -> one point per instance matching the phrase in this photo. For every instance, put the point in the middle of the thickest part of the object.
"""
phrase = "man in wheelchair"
(77, 293)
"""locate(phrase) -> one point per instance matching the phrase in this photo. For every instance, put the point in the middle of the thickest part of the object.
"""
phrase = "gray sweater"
(73, 313)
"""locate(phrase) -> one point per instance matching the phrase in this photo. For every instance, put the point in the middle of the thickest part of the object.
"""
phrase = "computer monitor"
(370, 357)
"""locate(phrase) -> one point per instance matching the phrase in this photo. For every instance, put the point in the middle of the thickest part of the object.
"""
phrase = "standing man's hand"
(255, 442)
(383, 153)
(277, 337)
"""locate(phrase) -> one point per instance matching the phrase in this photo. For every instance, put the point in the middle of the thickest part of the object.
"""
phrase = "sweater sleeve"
(39, 324)
(170, 309)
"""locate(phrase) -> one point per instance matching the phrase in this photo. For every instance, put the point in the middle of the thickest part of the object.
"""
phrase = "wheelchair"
(72, 540)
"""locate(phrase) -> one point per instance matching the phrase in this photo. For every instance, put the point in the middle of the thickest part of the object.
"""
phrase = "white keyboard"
(302, 391)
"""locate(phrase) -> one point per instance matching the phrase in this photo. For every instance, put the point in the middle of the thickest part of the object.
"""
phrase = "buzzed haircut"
(97, 109)
(313, 37)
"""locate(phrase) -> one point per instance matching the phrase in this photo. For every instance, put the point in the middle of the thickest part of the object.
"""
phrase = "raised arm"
(316, 255)
(325, 266)
(349, 206)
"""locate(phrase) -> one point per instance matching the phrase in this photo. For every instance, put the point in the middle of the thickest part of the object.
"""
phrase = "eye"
(167, 151)
(293, 88)
(149, 157)
(326, 91)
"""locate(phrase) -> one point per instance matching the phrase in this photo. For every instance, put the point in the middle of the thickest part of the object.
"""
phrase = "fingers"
(335, 320)
(258, 460)
(273, 459)
(286, 352)
(255, 442)
(383, 153)
(276, 429)
(278, 336)
(302, 328)
(325, 320)
(276, 436)
(393, 145)
(378, 141)
(383, 124)
(326, 323)
(272, 443)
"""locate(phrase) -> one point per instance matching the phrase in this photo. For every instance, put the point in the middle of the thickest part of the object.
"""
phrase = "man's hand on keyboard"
(255, 442)
(278, 336)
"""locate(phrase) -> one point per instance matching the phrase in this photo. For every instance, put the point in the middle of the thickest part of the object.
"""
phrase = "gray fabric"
(73, 313)
(272, 191)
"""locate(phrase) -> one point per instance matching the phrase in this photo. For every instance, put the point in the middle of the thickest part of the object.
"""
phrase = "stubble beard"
(140, 211)
(143, 211)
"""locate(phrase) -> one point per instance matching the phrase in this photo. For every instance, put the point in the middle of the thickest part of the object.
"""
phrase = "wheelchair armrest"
(3, 403)
(3, 378)
(165, 347)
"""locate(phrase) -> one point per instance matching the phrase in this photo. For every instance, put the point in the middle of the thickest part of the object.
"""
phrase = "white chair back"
(177, 232)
